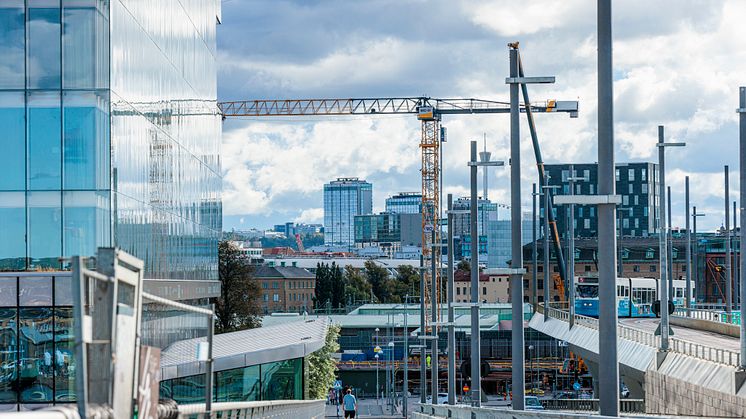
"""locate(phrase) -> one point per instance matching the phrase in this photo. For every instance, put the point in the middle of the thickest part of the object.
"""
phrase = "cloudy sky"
(678, 63)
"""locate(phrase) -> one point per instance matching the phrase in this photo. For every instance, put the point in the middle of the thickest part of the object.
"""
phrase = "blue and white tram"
(635, 296)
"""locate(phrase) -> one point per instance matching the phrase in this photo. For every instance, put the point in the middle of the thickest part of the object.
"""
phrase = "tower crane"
(429, 111)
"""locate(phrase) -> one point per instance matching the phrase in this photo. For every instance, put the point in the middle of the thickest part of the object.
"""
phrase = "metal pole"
(516, 259)
(434, 330)
(663, 248)
(696, 253)
(571, 250)
(669, 247)
(728, 277)
(534, 269)
(688, 296)
(81, 351)
(742, 186)
(208, 369)
(619, 256)
(475, 338)
(423, 344)
(732, 236)
(405, 384)
(608, 365)
(451, 328)
(547, 268)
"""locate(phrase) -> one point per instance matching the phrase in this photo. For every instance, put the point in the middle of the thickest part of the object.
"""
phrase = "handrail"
(274, 408)
(643, 337)
(718, 316)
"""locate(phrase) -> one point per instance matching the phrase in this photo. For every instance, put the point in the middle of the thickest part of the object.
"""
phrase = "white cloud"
(310, 216)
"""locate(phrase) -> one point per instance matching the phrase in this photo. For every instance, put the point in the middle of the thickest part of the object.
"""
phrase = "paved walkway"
(692, 335)
(366, 408)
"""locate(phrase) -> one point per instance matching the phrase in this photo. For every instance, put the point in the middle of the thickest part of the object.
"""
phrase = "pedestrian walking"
(350, 405)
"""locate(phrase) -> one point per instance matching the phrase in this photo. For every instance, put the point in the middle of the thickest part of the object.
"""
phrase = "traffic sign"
(576, 386)
(377, 349)
(338, 385)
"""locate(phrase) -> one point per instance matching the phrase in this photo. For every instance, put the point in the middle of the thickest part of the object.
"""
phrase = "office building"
(111, 137)
(487, 231)
(388, 232)
(637, 183)
(345, 198)
(405, 203)
(285, 288)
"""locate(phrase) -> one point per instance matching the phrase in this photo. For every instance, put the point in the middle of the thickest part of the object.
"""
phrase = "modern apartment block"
(637, 183)
(111, 137)
(345, 198)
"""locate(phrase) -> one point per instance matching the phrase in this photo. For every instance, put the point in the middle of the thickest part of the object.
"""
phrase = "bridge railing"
(717, 315)
(290, 409)
(685, 347)
(591, 405)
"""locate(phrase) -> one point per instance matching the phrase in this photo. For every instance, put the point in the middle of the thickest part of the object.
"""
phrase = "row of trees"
(337, 287)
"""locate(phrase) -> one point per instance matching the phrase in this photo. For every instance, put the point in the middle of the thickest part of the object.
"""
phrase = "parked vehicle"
(533, 403)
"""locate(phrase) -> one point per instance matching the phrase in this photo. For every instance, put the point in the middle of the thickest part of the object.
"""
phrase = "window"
(631, 189)
(265, 285)
(625, 200)
(636, 268)
(44, 37)
(587, 223)
(565, 174)
(458, 291)
(617, 175)
(652, 268)
(266, 297)
(644, 188)
(643, 174)
(645, 211)
(540, 284)
(587, 174)
(275, 297)
(12, 119)
(44, 141)
(637, 223)
(593, 188)
(484, 290)
(580, 212)
(649, 254)
(593, 211)
(631, 174)
(587, 268)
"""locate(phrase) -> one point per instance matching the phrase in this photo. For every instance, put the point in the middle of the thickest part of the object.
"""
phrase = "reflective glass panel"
(36, 355)
(86, 140)
(8, 355)
(35, 291)
(64, 358)
(12, 42)
(8, 291)
(44, 44)
(189, 389)
(12, 231)
(87, 220)
(63, 292)
(45, 230)
(79, 47)
(241, 384)
(12, 137)
(44, 142)
(282, 380)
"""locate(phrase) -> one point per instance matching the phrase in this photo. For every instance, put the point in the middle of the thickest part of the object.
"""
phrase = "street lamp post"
(405, 384)
(688, 296)
(377, 350)
(571, 244)
(696, 214)
(392, 386)
(742, 186)
(531, 362)
(663, 241)
(534, 268)
(728, 277)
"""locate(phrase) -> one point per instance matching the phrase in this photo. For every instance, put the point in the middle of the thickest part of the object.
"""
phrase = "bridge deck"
(692, 335)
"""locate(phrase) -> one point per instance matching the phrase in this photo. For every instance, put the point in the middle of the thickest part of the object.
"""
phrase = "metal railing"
(291, 409)
(643, 337)
(718, 315)
(591, 405)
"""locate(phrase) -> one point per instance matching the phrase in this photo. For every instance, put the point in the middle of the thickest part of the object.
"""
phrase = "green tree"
(407, 281)
(463, 265)
(322, 367)
(323, 290)
(378, 278)
(356, 286)
(238, 306)
(337, 285)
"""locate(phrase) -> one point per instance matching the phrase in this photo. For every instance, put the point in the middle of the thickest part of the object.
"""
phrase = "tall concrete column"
(728, 268)
(476, 384)
(434, 330)
(451, 328)
(547, 268)
(669, 247)
(736, 293)
(742, 186)
(663, 242)
(516, 258)
(571, 249)
(534, 257)
(608, 357)
(695, 252)
(423, 343)
(688, 295)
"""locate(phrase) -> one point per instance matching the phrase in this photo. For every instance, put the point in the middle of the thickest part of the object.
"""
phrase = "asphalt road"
(692, 335)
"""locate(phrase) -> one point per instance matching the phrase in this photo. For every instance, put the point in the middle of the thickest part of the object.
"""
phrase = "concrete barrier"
(707, 325)
(428, 411)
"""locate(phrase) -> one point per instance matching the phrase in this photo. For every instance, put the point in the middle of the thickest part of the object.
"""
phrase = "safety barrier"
(591, 405)
(685, 347)
(718, 315)
(290, 409)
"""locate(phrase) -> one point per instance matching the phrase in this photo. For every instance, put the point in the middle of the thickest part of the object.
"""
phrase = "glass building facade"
(281, 380)
(487, 231)
(111, 134)
(345, 198)
(405, 203)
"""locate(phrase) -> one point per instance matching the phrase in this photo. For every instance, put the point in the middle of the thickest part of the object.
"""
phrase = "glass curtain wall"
(281, 380)
(37, 366)
(54, 194)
